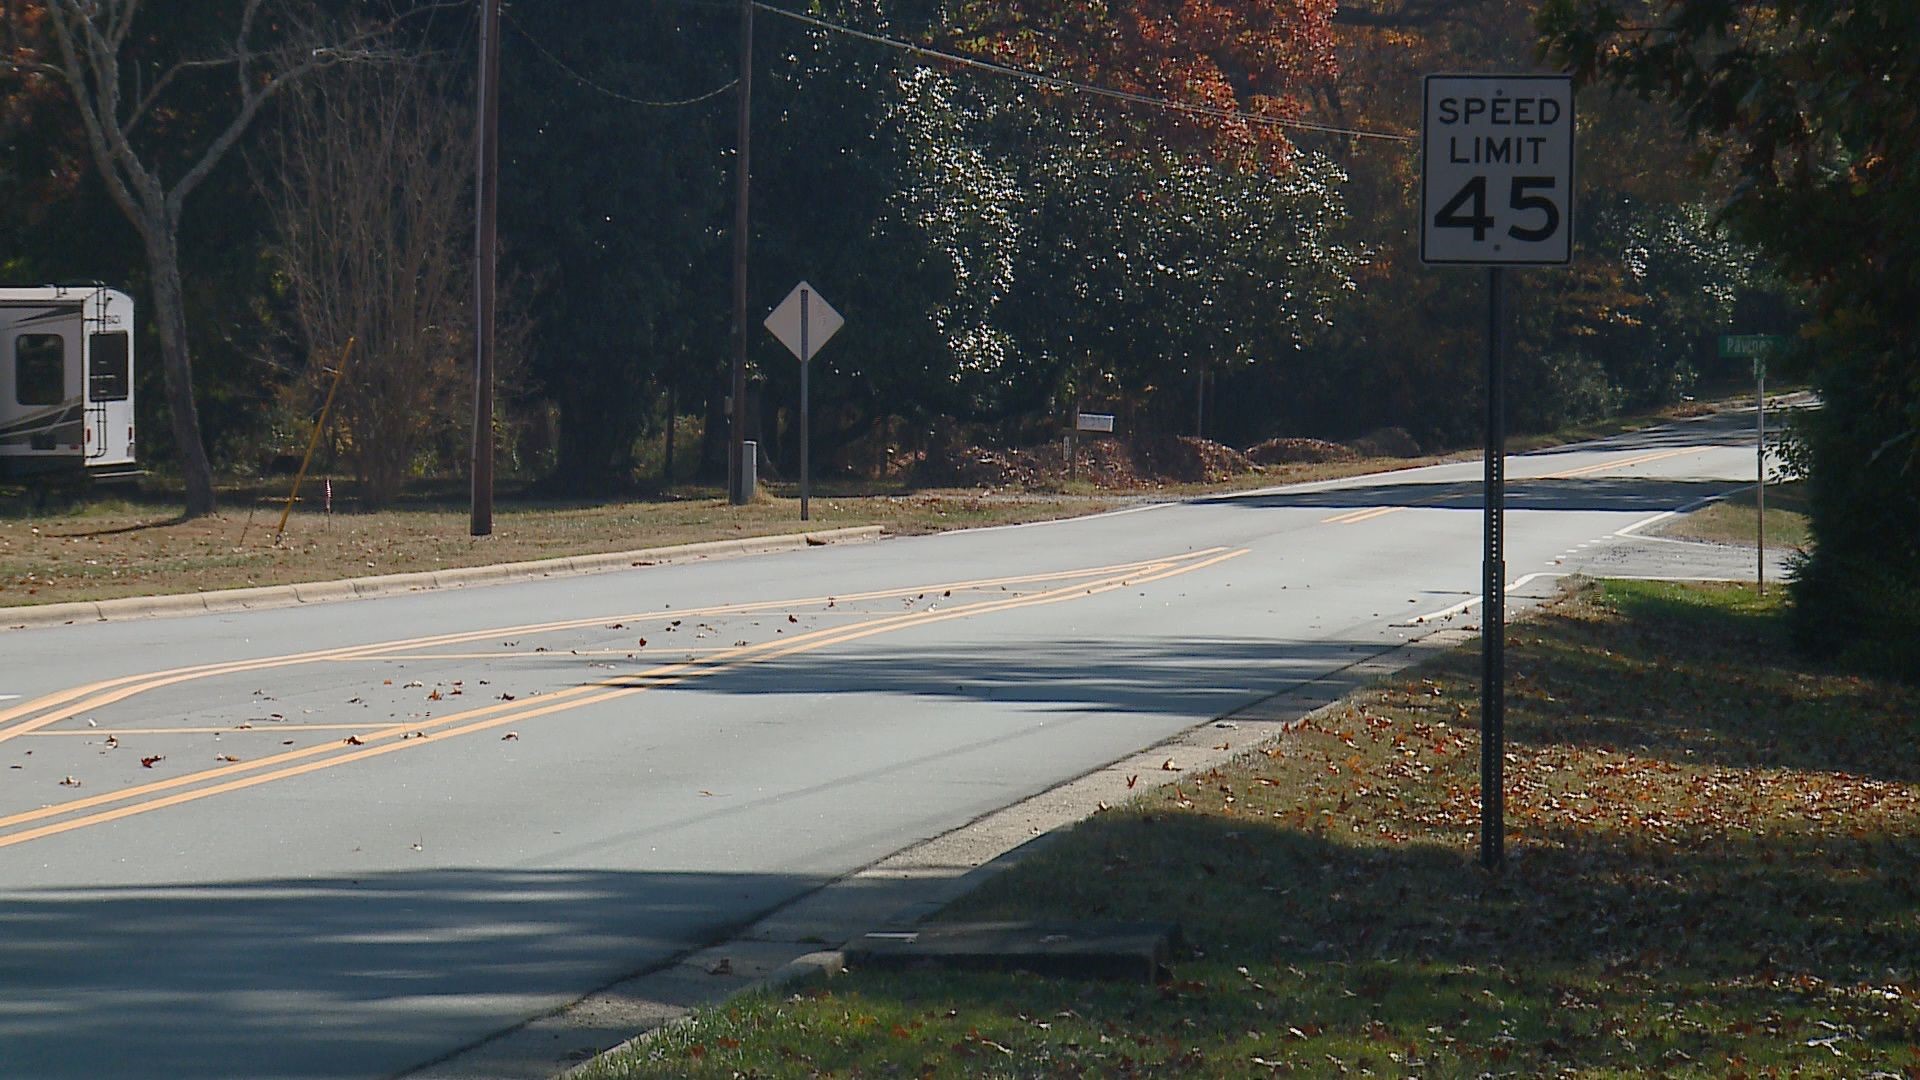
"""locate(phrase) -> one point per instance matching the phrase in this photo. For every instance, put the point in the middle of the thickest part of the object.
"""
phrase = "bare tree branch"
(160, 87)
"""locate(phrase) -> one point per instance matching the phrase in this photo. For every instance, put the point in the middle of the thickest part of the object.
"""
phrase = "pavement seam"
(314, 592)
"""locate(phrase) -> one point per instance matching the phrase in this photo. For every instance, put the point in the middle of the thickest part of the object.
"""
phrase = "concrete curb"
(318, 592)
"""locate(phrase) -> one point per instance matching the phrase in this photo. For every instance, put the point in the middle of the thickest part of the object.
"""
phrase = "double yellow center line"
(111, 806)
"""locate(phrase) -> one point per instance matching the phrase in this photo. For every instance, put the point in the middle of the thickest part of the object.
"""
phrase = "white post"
(1760, 458)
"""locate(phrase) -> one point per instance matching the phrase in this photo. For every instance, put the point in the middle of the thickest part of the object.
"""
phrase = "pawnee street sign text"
(803, 322)
(1497, 179)
(1750, 346)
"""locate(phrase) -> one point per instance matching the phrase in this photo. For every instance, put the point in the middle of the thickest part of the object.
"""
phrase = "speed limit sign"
(1497, 183)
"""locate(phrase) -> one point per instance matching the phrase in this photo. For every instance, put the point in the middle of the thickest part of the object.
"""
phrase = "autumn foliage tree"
(1227, 60)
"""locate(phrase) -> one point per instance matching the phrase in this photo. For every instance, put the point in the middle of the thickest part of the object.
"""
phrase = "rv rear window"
(39, 369)
(107, 367)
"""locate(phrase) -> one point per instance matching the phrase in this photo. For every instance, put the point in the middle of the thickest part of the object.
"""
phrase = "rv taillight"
(86, 436)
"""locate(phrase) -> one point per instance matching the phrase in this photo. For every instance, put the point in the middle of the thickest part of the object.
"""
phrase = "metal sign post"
(1757, 347)
(1493, 593)
(803, 322)
(806, 420)
(1496, 190)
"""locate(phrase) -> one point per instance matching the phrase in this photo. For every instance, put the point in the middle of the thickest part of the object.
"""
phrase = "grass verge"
(1736, 519)
(118, 549)
(1715, 871)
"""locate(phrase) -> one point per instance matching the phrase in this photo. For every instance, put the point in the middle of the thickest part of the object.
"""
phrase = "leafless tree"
(128, 73)
(369, 177)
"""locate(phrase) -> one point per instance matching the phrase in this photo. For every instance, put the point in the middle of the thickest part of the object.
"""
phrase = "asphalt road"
(344, 840)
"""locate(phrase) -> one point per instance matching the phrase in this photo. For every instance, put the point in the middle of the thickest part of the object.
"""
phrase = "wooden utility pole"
(737, 413)
(486, 206)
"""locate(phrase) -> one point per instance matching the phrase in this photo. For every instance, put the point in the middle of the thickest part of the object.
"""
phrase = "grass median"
(1715, 871)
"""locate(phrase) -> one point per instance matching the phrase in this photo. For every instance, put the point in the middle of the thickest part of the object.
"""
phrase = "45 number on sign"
(1522, 198)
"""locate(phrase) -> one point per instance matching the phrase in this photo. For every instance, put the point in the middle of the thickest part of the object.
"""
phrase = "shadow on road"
(1731, 428)
(1199, 678)
(1607, 494)
(332, 976)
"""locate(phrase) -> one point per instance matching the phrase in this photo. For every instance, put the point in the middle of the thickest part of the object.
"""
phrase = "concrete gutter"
(316, 592)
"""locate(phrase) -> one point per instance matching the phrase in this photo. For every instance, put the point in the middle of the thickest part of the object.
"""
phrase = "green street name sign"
(1749, 346)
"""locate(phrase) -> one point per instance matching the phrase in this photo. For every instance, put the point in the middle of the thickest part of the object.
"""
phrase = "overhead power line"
(1054, 82)
(616, 95)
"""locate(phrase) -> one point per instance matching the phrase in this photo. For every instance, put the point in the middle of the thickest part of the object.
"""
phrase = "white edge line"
(1449, 612)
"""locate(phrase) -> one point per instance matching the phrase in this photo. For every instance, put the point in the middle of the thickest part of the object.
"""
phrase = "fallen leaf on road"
(68, 782)
(434, 696)
(1132, 780)
(793, 618)
(354, 740)
(510, 736)
(723, 967)
(1169, 766)
(225, 757)
(150, 762)
(113, 743)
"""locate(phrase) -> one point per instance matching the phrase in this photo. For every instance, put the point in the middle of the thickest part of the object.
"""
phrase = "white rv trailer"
(66, 382)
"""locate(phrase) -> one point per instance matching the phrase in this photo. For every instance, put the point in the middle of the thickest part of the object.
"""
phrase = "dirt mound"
(1300, 452)
(1388, 442)
(1113, 464)
(1184, 459)
(977, 466)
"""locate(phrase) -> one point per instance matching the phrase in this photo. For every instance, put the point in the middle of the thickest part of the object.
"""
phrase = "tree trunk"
(170, 317)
